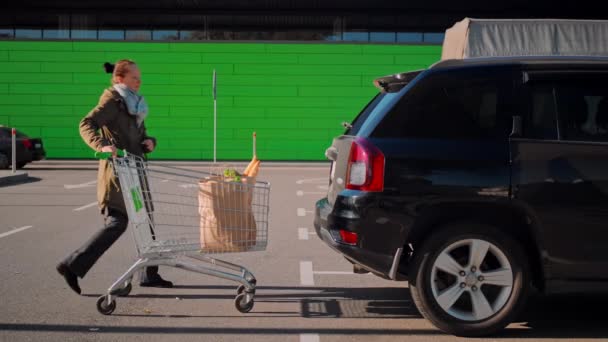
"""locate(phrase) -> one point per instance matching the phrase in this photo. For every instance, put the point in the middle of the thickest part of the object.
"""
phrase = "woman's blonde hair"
(121, 69)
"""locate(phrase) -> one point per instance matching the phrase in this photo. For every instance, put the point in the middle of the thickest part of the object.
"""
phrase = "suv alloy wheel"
(469, 279)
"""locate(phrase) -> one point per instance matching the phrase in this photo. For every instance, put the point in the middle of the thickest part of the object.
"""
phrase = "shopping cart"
(175, 222)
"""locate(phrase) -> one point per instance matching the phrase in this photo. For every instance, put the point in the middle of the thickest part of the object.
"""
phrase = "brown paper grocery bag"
(227, 223)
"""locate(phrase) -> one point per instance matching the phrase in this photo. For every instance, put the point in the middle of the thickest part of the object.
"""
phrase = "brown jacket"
(109, 123)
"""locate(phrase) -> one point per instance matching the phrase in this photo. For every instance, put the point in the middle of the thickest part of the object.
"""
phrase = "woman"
(117, 122)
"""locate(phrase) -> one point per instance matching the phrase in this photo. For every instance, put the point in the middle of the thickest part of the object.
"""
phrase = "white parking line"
(302, 193)
(85, 206)
(312, 180)
(302, 212)
(309, 338)
(333, 272)
(303, 233)
(78, 186)
(306, 273)
(14, 231)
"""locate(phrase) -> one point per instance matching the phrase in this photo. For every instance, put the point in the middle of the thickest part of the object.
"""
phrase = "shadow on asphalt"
(316, 302)
(20, 181)
(563, 317)
(557, 317)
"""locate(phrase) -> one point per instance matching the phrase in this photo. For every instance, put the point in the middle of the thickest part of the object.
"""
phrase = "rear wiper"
(394, 83)
(346, 125)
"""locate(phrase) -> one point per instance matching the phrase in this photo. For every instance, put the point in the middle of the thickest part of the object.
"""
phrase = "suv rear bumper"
(381, 259)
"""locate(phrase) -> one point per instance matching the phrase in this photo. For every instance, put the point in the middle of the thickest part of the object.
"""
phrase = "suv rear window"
(363, 115)
(461, 104)
(391, 88)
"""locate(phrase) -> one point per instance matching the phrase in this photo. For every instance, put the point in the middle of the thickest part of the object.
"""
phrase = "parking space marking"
(309, 338)
(302, 193)
(302, 212)
(79, 186)
(85, 206)
(17, 231)
(311, 180)
(303, 233)
(333, 272)
(306, 273)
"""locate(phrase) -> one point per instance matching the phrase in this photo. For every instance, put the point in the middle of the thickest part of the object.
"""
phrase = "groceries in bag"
(227, 222)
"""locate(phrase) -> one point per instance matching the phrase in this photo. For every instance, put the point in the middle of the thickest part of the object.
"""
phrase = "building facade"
(292, 71)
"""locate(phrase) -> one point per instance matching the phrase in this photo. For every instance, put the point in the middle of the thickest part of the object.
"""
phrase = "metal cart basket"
(180, 216)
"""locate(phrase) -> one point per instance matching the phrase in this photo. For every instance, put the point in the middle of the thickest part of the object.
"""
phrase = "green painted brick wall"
(293, 95)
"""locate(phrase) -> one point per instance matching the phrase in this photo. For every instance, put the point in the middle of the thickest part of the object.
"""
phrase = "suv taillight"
(365, 170)
(27, 144)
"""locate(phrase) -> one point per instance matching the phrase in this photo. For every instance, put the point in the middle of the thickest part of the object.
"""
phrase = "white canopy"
(525, 37)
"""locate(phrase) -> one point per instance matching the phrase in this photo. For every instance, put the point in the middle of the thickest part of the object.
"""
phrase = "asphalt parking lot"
(305, 292)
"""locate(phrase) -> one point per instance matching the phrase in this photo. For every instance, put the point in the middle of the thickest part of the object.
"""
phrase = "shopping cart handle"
(108, 155)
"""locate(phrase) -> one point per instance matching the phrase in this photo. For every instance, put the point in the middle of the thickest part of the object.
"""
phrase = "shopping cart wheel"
(242, 289)
(123, 292)
(103, 307)
(241, 303)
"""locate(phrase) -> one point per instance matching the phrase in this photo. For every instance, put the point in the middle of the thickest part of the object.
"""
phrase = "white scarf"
(136, 105)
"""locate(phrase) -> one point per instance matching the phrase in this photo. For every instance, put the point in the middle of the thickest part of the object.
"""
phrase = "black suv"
(475, 180)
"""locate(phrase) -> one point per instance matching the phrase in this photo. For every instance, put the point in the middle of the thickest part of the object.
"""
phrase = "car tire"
(470, 297)
(4, 162)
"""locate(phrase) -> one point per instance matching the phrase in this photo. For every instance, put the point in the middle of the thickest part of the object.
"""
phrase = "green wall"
(293, 95)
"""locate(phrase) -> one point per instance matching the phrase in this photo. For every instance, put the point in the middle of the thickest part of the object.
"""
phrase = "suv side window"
(461, 104)
(582, 109)
(543, 119)
(573, 109)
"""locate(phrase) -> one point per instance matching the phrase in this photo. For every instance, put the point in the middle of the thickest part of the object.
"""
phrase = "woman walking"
(117, 122)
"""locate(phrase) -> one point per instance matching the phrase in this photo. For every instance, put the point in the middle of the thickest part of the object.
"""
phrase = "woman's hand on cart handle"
(109, 151)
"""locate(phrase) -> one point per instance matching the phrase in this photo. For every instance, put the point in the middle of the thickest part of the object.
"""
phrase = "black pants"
(82, 259)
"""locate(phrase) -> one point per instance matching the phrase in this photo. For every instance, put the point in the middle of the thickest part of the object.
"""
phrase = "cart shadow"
(557, 317)
(316, 302)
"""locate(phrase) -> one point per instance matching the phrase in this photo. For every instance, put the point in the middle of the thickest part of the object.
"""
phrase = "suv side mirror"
(516, 128)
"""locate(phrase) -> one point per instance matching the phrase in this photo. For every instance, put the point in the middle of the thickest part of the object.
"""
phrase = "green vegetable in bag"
(232, 174)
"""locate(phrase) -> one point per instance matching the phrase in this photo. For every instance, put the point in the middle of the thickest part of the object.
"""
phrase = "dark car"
(28, 149)
(476, 180)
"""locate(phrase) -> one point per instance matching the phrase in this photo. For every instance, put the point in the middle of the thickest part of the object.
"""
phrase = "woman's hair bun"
(109, 67)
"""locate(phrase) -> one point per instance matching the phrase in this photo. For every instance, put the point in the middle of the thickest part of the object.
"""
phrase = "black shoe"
(156, 281)
(69, 277)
